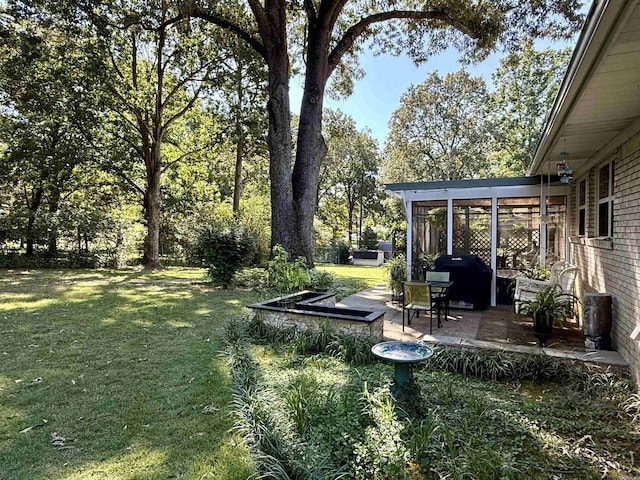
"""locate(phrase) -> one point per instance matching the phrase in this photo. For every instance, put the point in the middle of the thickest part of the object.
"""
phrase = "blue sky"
(377, 95)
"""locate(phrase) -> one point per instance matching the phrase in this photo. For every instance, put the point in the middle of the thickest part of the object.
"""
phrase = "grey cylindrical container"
(597, 320)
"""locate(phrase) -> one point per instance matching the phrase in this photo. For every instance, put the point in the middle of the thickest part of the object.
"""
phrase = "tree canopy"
(326, 35)
(440, 131)
(526, 85)
(147, 74)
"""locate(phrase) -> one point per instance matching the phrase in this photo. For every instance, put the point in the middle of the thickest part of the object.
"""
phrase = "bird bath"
(403, 355)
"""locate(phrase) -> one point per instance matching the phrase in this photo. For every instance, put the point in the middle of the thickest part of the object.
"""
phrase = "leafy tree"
(440, 131)
(243, 94)
(369, 239)
(349, 172)
(526, 85)
(47, 108)
(327, 35)
(154, 64)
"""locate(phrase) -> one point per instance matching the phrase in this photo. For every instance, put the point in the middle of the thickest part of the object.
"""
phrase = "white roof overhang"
(598, 105)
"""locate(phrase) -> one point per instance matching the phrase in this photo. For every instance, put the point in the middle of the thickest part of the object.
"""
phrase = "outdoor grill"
(471, 279)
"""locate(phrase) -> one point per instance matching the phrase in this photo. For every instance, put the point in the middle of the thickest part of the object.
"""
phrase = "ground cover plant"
(469, 414)
(116, 375)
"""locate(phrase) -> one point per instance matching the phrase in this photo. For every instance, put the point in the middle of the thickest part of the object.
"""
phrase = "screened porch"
(512, 224)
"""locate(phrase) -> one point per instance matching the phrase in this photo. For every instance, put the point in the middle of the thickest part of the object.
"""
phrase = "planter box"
(315, 310)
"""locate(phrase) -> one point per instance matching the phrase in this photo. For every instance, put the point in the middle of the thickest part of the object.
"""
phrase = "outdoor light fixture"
(564, 171)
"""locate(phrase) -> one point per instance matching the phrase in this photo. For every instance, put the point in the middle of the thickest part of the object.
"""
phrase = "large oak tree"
(326, 35)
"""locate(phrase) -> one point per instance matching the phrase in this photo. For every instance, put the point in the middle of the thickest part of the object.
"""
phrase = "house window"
(605, 200)
(582, 207)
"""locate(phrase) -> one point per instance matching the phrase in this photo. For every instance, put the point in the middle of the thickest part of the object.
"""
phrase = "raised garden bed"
(311, 310)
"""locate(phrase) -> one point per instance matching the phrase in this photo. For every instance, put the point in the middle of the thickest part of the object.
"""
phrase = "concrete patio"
(494, 328)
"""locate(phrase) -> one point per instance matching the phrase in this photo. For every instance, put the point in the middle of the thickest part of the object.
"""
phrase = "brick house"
(596, 120)
(593, 220)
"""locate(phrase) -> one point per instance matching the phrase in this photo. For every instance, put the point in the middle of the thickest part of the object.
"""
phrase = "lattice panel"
(477, 242)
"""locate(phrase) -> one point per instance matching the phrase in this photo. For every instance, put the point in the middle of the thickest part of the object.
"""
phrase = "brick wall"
(612, 265)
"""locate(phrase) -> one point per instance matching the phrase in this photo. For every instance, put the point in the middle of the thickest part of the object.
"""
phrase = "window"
(582, 207)
(605, 200)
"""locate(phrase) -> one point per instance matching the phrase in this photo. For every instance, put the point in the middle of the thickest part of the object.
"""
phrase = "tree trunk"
(311, 148)
(350, 221)
(33, 206)
(237, 177)
(283, 230)
(153, 204)
(53, 232)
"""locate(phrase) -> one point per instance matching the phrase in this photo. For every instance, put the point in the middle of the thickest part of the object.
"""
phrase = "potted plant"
(396, 273)
(549, 305)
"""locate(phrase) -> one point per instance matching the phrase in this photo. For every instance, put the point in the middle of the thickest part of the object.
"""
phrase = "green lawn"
(369, 276)
(122, 369)
(119, 375)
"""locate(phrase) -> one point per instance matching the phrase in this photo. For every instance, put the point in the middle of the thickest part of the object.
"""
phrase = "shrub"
(344, 252)
(320, 280)
(369, 239)
(251, 278)
(396, 273)
(224, 250)
(286, 276)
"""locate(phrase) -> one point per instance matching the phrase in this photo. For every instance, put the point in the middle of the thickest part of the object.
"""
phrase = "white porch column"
(543, 227)
(449, 226)
(494, 248)
(408, 206)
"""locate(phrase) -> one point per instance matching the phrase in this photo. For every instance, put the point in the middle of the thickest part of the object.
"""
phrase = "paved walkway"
(459, 330)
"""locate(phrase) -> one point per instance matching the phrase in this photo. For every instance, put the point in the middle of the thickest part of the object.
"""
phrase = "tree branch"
(311, 11)
(353, 32)
(236, 29)
(183, 110)
(182, 157)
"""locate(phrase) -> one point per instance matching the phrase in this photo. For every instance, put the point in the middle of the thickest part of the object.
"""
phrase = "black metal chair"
(439, 294)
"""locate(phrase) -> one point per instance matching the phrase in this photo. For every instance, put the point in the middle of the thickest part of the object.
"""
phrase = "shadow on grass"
(127, 372)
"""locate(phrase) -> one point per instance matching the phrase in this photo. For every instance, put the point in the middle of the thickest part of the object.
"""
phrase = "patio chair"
(562, 273)
(441, 295)
(417, 296)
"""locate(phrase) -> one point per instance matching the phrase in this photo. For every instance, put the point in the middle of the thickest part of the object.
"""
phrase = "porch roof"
(394, 188)
(477, 188)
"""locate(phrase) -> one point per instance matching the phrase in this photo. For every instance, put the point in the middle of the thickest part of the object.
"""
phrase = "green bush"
(252, 278)
(224, 250)
(396, 273)
(320, 281)
(344, 252)
(286, 276)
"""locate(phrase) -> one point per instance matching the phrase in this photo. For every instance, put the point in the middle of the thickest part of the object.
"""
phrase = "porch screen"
(472, 228)
(429, 233)
(518, 233)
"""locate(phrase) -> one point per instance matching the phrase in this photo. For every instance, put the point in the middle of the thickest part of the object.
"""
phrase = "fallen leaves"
(210, 409)
(41, 424)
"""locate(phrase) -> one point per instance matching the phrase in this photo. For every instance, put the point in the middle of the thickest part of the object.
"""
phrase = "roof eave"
(592, 45)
